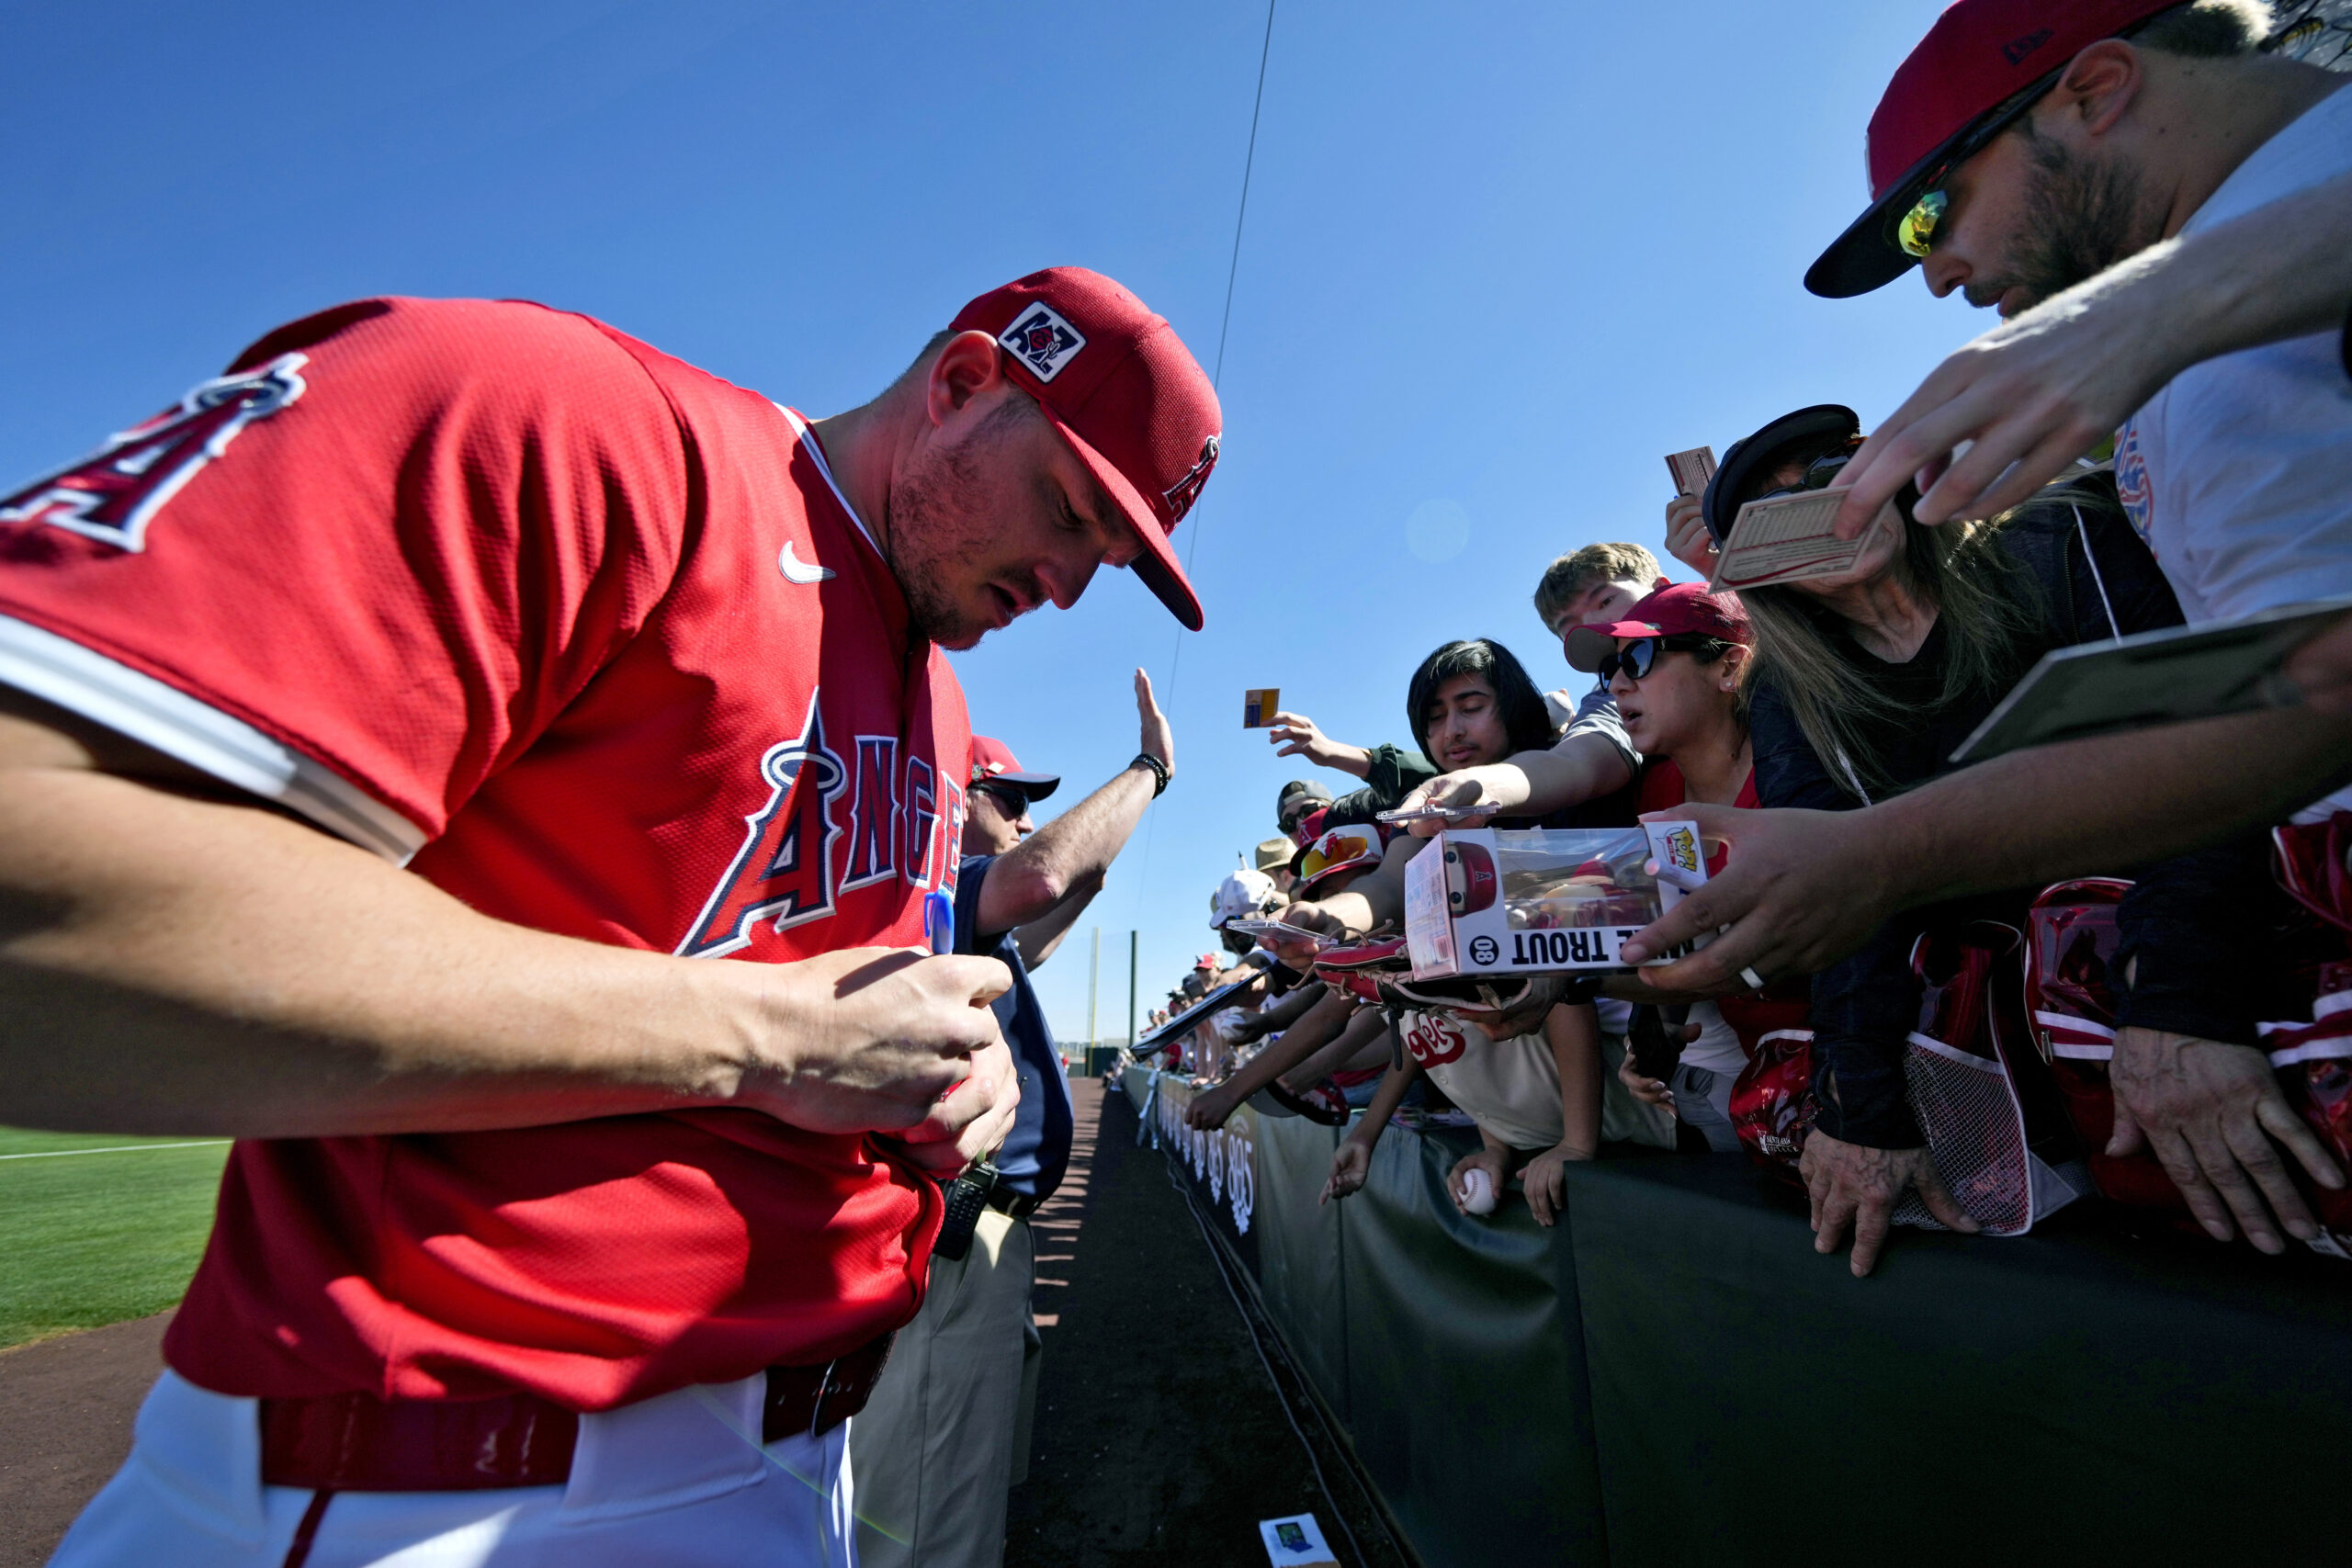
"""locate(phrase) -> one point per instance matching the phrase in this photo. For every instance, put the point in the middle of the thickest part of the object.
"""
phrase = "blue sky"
(1499, 260)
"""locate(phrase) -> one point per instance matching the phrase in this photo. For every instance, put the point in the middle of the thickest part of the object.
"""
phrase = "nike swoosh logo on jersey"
(794, 569)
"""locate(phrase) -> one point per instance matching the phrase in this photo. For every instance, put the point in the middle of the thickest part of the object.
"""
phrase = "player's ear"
(969, 365)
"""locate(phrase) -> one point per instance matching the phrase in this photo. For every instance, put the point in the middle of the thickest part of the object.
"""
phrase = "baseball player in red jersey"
(543, 1239)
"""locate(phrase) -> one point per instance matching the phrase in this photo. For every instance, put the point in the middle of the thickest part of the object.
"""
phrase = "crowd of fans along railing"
(2150, 1014)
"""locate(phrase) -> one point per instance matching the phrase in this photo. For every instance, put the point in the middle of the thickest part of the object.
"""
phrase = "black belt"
(1005, 1200)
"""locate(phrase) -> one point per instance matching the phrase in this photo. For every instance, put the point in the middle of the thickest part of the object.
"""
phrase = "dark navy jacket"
(1036, 1151)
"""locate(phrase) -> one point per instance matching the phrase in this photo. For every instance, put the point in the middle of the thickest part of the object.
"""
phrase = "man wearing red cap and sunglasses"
(2023, 147)
(389, 734)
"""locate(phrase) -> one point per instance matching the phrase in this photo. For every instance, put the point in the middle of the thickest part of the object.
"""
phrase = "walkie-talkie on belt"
(966, 1196)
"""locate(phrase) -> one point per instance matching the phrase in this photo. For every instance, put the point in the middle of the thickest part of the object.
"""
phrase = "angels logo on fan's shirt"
(495, 591)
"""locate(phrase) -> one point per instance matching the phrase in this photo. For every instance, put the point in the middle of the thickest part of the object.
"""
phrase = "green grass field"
(91, 1238)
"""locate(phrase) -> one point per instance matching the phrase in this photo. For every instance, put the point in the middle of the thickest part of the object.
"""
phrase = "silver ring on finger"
(1755, 982)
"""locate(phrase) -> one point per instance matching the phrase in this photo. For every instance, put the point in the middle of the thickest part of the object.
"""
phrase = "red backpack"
(2071, 938)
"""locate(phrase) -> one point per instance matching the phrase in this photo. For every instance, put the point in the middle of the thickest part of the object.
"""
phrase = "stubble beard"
(2082, 217)
(937, 530)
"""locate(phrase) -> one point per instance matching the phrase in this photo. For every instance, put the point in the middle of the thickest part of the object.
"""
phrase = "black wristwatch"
(1159, 772)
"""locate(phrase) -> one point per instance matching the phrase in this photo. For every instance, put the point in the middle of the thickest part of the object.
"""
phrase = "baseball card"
(1691, 470)
(1295, 1539)
(1259, 705)
(1788, 538)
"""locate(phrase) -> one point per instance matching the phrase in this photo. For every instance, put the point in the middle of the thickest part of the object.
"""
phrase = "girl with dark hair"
(1537, 1095)
(1468, 693)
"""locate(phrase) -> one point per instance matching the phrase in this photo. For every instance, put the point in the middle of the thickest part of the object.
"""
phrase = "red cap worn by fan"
(1982, 66)
(993, 762)
(1684, 609)
(1124, 391)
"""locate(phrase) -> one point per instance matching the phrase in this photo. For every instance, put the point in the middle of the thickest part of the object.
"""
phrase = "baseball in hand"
(1477, 1194)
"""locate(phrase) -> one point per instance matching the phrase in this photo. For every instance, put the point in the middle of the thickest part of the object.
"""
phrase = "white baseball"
(1477, 1192)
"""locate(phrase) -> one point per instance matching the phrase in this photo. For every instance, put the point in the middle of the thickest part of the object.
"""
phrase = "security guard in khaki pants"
(945, 1433)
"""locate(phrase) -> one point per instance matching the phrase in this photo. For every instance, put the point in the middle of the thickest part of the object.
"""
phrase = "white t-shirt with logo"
(1511, 1087)
(2239, 473)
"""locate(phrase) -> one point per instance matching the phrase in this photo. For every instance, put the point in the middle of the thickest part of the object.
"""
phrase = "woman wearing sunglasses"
(1676, 665)
(1863, 686)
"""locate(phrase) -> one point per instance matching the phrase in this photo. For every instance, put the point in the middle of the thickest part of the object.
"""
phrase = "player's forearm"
(174, 965)
(2105, 805)
(1026, 882)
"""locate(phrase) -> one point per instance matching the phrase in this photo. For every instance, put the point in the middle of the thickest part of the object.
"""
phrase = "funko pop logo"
(1043, 339)
(1682, 850)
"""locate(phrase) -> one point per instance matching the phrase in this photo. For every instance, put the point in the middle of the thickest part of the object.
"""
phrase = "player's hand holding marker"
(873, 1039)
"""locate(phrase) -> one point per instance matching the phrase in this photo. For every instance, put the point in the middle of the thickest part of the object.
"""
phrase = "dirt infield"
(65, 1409)
(1158, 1441)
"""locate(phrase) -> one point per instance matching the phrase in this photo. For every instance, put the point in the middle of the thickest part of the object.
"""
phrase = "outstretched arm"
(1309, 1034)
(1529, 783)
(1352, 1162)
(1296, 735)
(1067, 858)
(1804, 888)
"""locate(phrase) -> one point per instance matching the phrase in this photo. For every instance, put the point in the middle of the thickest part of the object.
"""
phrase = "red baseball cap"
(1681, 609)
(1124, 391)
(993, 762)
(1983, 65)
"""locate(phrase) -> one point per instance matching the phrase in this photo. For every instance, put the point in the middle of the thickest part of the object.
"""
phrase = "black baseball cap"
(1813, 432)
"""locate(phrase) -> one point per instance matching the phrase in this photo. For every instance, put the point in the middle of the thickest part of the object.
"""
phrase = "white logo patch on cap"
(1043, 340)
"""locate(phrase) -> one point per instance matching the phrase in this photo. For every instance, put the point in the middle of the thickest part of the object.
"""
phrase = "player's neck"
(858, 444)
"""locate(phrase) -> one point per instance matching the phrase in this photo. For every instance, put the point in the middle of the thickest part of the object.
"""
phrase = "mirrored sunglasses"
(1917, 232)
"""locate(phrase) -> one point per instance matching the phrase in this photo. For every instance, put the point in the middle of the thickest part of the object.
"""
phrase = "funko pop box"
(1506, 901)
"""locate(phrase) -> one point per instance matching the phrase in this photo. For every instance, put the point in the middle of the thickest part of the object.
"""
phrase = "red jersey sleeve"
(365, 567)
